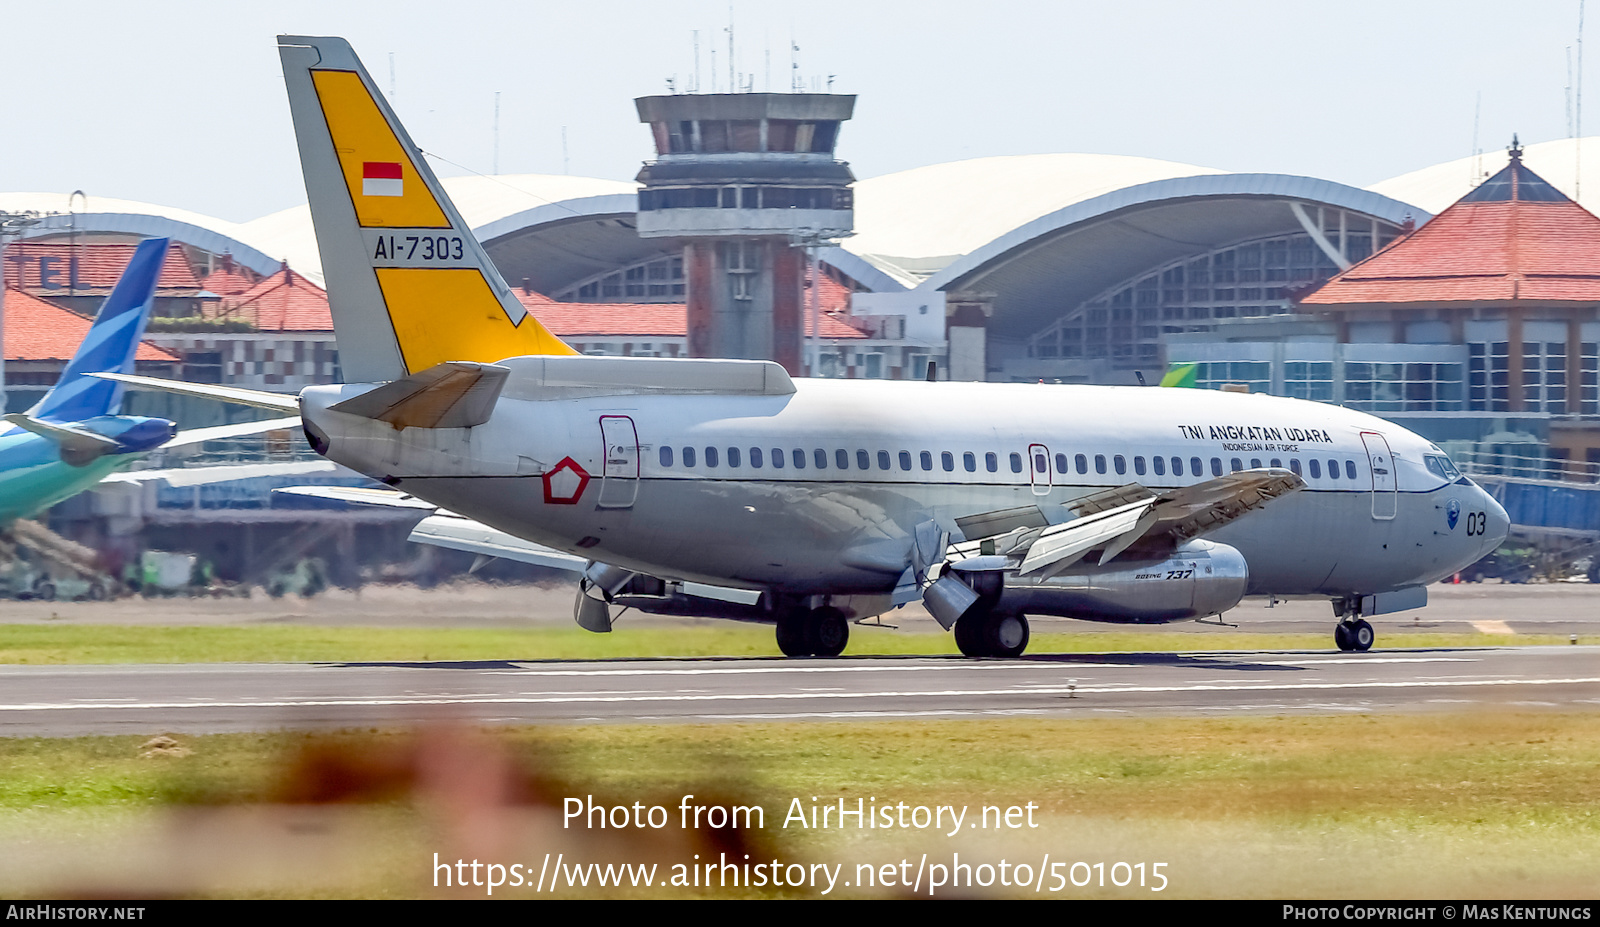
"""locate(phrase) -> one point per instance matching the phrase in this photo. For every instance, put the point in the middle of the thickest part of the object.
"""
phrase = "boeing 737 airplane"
(727, 488)
(73, 438)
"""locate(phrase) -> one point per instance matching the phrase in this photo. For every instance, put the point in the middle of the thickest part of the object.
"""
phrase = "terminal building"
(746, 235)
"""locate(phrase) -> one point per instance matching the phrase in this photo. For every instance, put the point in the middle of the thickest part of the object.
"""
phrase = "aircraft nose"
(1497, 524)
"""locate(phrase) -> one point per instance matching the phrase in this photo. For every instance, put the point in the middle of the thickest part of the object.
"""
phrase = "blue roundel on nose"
(1452, 513)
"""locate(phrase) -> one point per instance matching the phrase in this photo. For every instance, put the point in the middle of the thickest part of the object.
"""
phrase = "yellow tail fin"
(409, 285)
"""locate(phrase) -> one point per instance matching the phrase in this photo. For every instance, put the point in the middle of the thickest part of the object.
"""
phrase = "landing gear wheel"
(794, 637)
(969, 635)
(1006, 634)
(1362, 636)
(830, 631)
(1343, 637)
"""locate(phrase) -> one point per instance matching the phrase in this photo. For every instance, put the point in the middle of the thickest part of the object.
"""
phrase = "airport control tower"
(747, 181)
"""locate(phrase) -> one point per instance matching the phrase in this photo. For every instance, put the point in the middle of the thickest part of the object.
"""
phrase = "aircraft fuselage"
(818, 491)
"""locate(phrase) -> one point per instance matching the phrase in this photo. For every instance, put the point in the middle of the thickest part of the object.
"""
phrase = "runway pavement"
(73, 700)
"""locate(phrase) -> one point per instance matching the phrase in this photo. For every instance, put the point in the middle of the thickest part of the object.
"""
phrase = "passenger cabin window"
(1195, 470)
(947, 460)
(1099, 463)
(1082, 463)
(1276, 463)
(820, 456)
(905, 460)
(1235, 464)
(666, 457)
(991, 462)
(733, 457)
(1120, 463)
(1177, 466)
(883, 460)
(1216, 466)
(1294, 464)
(1333, 469)
(927, 460)
(1138, 466)
(1016, 462)
(1255, 463)
(1350, 469)
(711, 457)
(1041, 466)
(863, 460)
(777, 458)
(841, 459)
(1061, 463)
(969, 461)
(1316, 469)
(798, 458)
(755, 458)
(1159, 463)
(688, 457)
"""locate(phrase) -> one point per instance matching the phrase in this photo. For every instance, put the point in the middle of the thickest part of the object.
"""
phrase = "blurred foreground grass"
(283, 643)
(1496, 805)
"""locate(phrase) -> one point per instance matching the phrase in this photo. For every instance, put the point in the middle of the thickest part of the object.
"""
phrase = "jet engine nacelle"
(1200, 578)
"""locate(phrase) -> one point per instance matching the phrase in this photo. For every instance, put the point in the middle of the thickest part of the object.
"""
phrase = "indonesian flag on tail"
(382, 178)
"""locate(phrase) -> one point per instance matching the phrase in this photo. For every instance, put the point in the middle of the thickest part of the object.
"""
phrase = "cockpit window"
(1440, 465)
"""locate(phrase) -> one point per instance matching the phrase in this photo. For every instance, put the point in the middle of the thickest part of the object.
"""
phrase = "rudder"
(408, 284)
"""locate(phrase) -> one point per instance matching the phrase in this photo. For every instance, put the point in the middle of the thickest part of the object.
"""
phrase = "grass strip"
(1495, 804)
(53, 644)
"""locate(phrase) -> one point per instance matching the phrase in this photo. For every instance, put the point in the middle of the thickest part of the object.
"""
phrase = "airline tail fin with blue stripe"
(110, 345)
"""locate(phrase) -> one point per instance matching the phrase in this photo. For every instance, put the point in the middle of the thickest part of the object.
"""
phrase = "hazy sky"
(182, 103)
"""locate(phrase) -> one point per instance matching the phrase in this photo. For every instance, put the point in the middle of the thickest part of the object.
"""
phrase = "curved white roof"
(1434, 188)
(947, 210)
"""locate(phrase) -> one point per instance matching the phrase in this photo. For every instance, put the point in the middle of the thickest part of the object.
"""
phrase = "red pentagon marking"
(565, 482)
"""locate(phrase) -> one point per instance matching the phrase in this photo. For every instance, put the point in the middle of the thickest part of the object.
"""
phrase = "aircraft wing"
(200, 476)
(280, 402)
(1115, 520)
(456, 533)
(361, 495)
(218, 432)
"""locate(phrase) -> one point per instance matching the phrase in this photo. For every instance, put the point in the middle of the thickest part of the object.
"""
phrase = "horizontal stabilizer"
(70, 438)
(455, 394)
(261, 399)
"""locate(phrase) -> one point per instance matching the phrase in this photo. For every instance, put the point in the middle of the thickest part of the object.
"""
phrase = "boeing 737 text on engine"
(727, 488)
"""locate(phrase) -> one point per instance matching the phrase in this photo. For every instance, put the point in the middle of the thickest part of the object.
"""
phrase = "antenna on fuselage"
(1140, 375)
(933, 369)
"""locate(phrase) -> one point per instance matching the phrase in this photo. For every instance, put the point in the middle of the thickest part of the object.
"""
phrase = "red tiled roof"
(228, 281)
(283, 302)
(31, 265)
(1513, 239)
(37, 329)
(619, 320)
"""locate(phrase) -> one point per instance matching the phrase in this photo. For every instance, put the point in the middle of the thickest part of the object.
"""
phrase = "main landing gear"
(989, 633)
(1354, 635)
(808, 632)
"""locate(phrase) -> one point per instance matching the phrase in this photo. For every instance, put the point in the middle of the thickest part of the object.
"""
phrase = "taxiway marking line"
(1043, 667)
(1078, 691)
